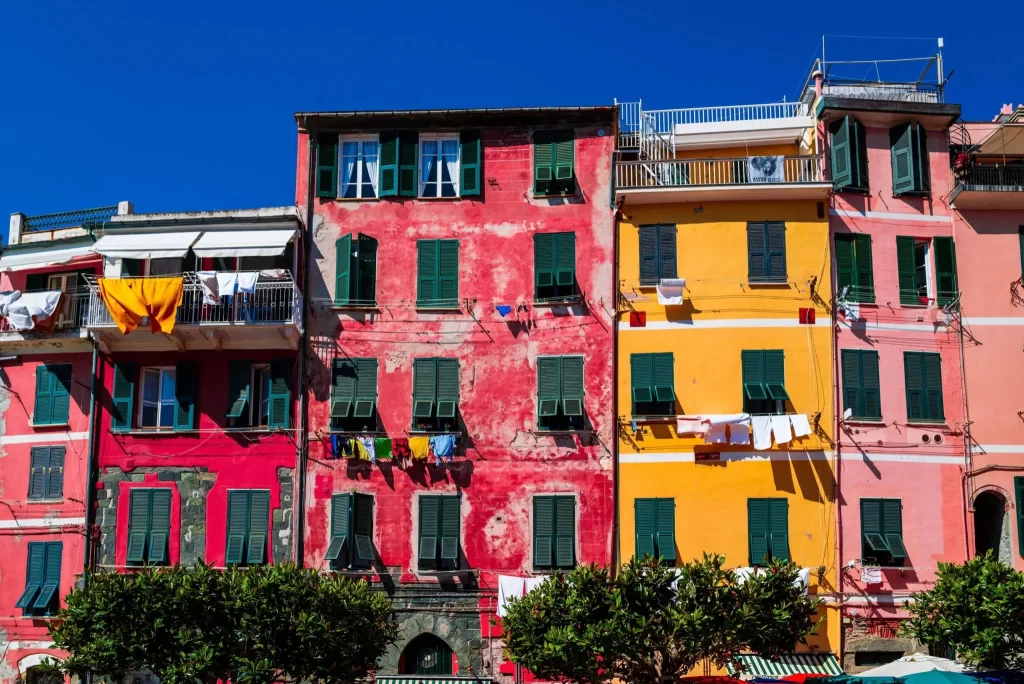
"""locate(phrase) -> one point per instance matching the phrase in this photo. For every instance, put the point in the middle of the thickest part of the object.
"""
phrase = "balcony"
(735, 178)
(269, 318)
(68, 332)
(989, 186)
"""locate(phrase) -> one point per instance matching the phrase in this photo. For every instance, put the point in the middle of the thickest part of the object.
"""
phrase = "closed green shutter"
(430, 517)
(757, 530)
(645, 516)
(424, 387)
(775, 250)
(861, 392)
(60, 375)
(775, 374)
(259, 521)
(778, 528)
(853, 394)
(362, 529)
(903, 179)
(649, 255)
(666, 251)
(341, 506)
(388, 164)
(45, 604)
(865, 276)
(426, 273)
(122, 399)
(470, 160)
(327, 166)
(408, 147)
(932, 366)
(913, 374)
(543, 531)
(363, 282)
(343, 387)
(39, 466)
(342, 268)
(448, 273)
(543, 262)
(43, 411)
(184, 395)
(160, 525)
(641, 375)
(846, 276)
(565, 259)
(34, 575)
(239, 391)
(238, 526)
(450, 524)
(870, 386)
(55, 473)
(572, 385)
(548, 385)
(664, 381)
(280, 393)
(138, 525)
(565, 162)
(565, 531)
(872, 541)
(665, 529)
(842, 176)
(543, 164)
(945, 270)
(1018, 488)
(553, 162)
(906, 269)
(447, 387)
(365, 387)
(756, 253)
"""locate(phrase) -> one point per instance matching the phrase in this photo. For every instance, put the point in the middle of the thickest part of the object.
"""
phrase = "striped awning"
(795, 663)
(431, 679)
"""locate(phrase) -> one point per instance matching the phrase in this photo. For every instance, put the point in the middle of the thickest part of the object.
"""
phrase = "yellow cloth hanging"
(129, 299)
(420, 447)
(361, 453)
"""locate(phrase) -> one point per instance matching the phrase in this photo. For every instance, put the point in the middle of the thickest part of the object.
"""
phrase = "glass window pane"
(149, 415)
(164, 266)
(166, 414)
(167, 388)
(150, 385)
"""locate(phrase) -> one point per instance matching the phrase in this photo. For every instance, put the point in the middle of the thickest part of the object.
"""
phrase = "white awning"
(20, 260)
(243, 243)
(145, 245)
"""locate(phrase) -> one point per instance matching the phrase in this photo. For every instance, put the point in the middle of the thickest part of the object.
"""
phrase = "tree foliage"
(653, 623)
(977, 609)
(259, 624)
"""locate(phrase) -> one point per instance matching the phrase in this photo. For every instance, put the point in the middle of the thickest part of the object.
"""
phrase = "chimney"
(818, 79)
(17, 223)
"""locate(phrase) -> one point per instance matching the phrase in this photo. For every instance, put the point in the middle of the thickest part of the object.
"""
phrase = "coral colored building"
(987, 199)
(900, 433)
(461, 287)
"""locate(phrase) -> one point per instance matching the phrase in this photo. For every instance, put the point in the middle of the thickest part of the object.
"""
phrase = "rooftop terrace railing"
(69, 219)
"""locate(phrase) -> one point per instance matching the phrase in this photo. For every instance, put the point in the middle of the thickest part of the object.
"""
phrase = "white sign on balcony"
(766, 169)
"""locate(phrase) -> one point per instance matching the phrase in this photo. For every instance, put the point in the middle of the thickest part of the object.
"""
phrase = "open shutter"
(365, 388)
(645, 514)
(667, 251)
(159, 525)
(902, 160)
(775, 374)
(43, 410)
(932, 368)
(905, 267)
(543, 530)
(259, 522)
(865, 276)
(138, 524)
(123, 397)
(664, 383)
(892, 526)
(327, 165)
(343, 387)
(363, 283)
(429, 527)
(448, 273)
(34, 572)
(564, 162)
(184, 395)
(869, 383)
(543, 260)
(919, 146)
(572, 385)
(548, 385)
(665, 529)
(756, 253)
(238, 526)
(775, 263)
(845, 271)
(61, 378)
(913, 375)
(565, 531)
(408, 146)
(757, 530)
(280, 393)
(945, 270)
(859, 154)
(649, 261)
(55, 473)
(840, 149)
(340, 511)
(543, 163)
(239, 377)
(754, 387)
(778, 528)
(363, 527)
(39, 467)
(51, 578)
(450, 524)
(641, 377)
(447, 387)
(426, 273)
(853, 393)
(872, 541)
(342, 269)
(1018, 489)
(470, 160)
(388, 164)
(565, 259)
(424, 387)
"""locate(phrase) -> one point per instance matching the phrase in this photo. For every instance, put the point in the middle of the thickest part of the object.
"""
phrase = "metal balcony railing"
(73, 313)
(992, 177)
(636, 123)
(69, 219)
(681, 173)
(922, 93)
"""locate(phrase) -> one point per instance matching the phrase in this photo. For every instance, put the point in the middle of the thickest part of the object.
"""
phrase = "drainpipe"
(93, 414)
(300, 470)
(615, 368)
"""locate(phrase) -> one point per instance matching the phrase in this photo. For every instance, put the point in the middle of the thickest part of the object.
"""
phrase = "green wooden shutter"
(408, 147)
(839, 138)
(906, 269)
(430, 518)
(945, 270)
(470, 158)
(184, 395)
(1018, 488)
(649, 259)
(138, 524)
(565, 181)
(641, 377)
(565, 259)
(447, 387)
(543, 261)
(932, 368)
(892, 526)
(865, 276)
(34, 575)
(913, 375)
(565, 531)
(159, 524)
(870, 387)
(853, 392)
(39, 466)
(543, 531)
(549, 389)
(572, 385)
(666, 251)
(239, 391)
(663, 375)
(327, 166)
(60, 375)
(280, 393)
(238, 526)
(342, 269)
(757, 530)
(919, 147)
(755, 390)
(859, 154)
(365, 388)
(343, 387)
(341, 505)
(51, 579)
(424, 387)
(55, 472)
(846, 275)
(872, 541)
(450, 524)
(43, 411)
(388, 164)
(756, 253)
(259, 522)
(426, 273)
(122, 399)
(645, 516)
(363, 287)
(362, 529)
(448, 273)
(903, 179)
(778, 528)
(543, 163)
(775, 374)
(665, 529)
(775, 256)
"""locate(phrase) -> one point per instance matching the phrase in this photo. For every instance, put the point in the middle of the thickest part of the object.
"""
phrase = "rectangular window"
(42, 580)
(359, 157)
(553, 163)
(768, 530)
(554, 266)
(652, 383)
(439, 531)
(854, 271)
(560, 393)
(554, 532)
(439, 165)
(149, 525)
(355, 276)
(46, 478)
(764, 381)
(157, 403)
(657, 253)
(923, 374)
(881, 527)
(354, 395)
(861, 393)
(435, 394)
(437, 274)
(766, 252)
(909, 147)
(258, 394)
(914, 270)
(248, 523)
(849, 153)
(351, 544)
(53, 394)
(655, 525)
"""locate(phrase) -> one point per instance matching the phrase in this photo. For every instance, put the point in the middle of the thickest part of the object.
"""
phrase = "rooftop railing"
(922, 93)
(69, 219)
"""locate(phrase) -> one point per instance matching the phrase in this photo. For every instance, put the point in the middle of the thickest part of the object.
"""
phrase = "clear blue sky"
(188, 105)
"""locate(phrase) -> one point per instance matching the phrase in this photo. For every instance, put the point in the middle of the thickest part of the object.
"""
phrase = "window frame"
(351, 422)
(347, 554)
(769, 277)
(47, 581)
(858, 358)
(768, 400)
(42, 474)
(555, 534)
(159, 400)
(561, 420)
(440, 138)
(436, 423)
(650, 360)
(358, 139)
(246, 550)
(861, 266)
(437, 563)
(881, 558)
(657, 529)
(148, 533)
(930, 418)
(559, 292)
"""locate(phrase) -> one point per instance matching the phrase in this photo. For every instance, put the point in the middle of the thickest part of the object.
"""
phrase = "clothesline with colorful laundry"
(217, 284)
(372, 449)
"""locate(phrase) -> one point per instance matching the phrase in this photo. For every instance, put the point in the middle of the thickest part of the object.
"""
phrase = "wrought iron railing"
(73, 313)
(69, 219)
(681, 173)
(992, 177)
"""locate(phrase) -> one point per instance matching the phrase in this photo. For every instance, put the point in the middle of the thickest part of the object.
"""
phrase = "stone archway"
(992, 526)
(458, 631)
(30, 670)
(426, 655)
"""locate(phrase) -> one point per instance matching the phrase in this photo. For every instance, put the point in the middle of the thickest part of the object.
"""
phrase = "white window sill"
(43, 426)
(44, 502)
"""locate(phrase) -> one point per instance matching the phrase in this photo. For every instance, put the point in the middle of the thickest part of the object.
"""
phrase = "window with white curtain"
(439, 166)
(358, 177)
(158, 402)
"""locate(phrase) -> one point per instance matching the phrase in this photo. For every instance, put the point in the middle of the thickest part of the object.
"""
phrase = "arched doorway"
(426, 655)
(991, 526)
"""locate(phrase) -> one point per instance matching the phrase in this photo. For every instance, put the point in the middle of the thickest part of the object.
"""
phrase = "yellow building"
(734, 202)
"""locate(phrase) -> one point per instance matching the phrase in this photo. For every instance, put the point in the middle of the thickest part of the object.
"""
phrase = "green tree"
(260, 624)
(653, 623)
(976, 609)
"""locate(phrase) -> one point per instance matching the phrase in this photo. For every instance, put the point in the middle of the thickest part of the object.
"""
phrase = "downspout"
(615, 365)
(90, 455)
(300, 473)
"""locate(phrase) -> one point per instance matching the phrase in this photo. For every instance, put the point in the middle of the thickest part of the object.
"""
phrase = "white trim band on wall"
(890, 216)
(726, 456)
(52, 523)
(43, 437)
(712, 323)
